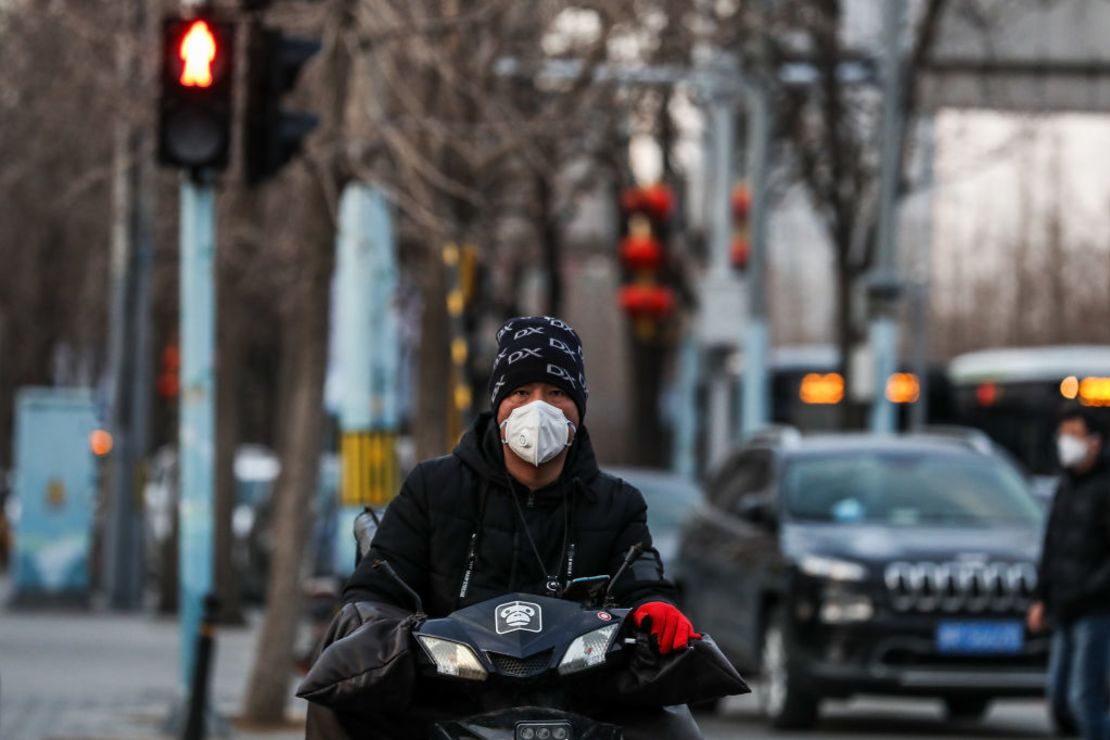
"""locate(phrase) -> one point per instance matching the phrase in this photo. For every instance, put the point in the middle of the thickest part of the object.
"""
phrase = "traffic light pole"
(197, 423)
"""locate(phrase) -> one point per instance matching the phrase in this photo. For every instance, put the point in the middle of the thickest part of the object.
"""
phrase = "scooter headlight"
(588, 650)
(453, 658)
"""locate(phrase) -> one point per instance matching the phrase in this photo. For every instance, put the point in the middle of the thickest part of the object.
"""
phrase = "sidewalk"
(81, 676)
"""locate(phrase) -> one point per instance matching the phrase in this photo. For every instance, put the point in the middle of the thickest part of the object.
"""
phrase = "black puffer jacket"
(1075, 562)
(582, 525)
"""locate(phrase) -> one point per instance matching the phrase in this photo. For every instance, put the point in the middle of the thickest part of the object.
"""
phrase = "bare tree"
(54, 190)
(305, 232)
(461, 143)
(831, 130)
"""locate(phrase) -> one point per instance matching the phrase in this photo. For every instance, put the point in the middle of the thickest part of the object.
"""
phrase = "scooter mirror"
(586, 589)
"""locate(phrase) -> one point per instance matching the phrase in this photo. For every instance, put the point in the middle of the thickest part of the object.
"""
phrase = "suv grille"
(960, 586)
(507, 665)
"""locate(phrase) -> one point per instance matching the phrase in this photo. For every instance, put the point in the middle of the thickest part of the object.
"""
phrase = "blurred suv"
(670, 499)
(845, 564)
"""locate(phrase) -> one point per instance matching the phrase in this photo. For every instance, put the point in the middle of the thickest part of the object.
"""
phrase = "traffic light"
(273, 135)
(194, 116)
(100, 442)
(645, 297)
(169, 375)
(741, 235)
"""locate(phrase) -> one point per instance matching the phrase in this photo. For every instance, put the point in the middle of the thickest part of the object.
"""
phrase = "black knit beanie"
(534, 349)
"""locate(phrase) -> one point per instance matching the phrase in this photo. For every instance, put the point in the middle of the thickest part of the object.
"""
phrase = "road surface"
(883, 719)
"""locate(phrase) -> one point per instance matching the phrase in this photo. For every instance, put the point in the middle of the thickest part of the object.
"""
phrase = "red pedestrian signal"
(194, 116)
(198, 51)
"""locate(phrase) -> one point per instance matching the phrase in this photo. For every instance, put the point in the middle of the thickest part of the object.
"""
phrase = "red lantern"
(655, 201)
(741, 202)
(658, 201)
(631, 200)
(741, 250)
(641, 252)
(647, 301)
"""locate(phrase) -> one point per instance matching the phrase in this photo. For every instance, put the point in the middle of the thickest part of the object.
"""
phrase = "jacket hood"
(480, 450)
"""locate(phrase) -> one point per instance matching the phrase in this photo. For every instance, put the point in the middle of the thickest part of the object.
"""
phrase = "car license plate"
(981, 637)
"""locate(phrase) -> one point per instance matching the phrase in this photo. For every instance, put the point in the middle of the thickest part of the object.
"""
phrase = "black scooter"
(517, 667)
(528, 662)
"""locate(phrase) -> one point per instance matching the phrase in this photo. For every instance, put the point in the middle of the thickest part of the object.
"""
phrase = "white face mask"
(1071, 449)
(536, 432)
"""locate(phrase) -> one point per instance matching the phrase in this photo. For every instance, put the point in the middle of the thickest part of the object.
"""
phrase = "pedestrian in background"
(1074, 579)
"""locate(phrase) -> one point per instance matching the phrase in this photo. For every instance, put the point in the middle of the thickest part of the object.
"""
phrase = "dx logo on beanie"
(538, 349)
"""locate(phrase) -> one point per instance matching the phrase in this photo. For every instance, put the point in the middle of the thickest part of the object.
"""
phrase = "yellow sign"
(903, 388)
(824, 390)
(371, 473)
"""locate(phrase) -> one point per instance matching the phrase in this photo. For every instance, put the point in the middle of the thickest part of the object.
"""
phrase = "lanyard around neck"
(551, 583)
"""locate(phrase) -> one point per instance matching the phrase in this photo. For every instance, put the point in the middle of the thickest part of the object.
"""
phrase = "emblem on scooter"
(518, 616)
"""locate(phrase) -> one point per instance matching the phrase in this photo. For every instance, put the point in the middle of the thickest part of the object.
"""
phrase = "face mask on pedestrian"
(1071, 450)
(537, 432)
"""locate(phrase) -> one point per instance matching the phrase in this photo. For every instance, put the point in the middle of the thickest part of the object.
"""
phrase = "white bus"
(1013, 394)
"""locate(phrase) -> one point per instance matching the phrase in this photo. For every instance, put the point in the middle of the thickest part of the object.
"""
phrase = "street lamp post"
(884, 283)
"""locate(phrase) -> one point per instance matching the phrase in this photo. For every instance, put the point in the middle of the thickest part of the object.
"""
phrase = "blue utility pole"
(197, 423)
(368, 357)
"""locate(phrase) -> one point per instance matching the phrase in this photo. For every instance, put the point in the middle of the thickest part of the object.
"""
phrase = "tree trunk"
(307, 226)
(229, 363)
(649, 446)
(845, 339)
(305, 354)
(550, 242)
(433, 397)
(6, 397)
(168, 583)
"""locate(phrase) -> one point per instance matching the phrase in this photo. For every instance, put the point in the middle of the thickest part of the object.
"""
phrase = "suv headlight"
(833, 569)
(588, 650)
(453, 658)
(839, 606)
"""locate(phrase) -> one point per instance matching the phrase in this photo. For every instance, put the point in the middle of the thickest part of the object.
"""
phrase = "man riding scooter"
(519, 506)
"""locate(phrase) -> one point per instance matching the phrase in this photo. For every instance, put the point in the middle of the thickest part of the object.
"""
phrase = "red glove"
(671, 628)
